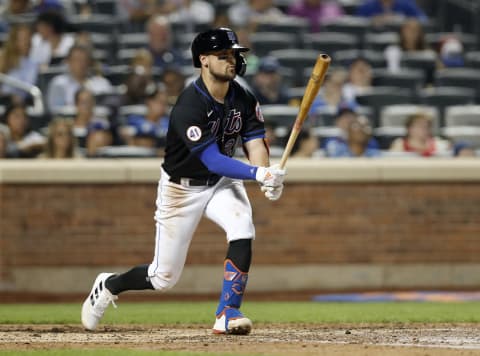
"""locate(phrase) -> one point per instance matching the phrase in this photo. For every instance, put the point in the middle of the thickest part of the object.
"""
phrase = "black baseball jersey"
(197, 120)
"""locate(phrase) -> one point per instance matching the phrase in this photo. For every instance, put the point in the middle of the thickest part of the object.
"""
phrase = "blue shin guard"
(229, 317)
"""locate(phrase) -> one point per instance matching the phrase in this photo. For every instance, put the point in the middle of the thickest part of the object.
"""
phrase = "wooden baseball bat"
(311, 91)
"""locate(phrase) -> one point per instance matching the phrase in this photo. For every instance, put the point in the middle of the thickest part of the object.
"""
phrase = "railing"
(33, 90)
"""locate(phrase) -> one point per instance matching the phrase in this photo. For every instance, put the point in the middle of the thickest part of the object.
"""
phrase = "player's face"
(222, 65)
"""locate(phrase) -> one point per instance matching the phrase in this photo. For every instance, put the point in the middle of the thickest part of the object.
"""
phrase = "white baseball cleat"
(97, 302)
(237, 323)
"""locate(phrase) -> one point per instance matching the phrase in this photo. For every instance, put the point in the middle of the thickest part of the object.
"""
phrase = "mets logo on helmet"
(231, 36)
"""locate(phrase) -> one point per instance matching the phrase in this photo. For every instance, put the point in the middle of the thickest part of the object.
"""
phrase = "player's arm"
(257, 152)
(223, 165)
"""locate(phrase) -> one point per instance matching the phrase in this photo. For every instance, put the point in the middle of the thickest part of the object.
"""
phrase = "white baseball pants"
(179, 210)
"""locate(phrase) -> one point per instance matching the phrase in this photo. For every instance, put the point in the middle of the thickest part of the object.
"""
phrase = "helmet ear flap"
(241, 64)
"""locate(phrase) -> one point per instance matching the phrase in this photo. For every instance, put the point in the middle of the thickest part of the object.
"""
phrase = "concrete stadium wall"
(341, 224)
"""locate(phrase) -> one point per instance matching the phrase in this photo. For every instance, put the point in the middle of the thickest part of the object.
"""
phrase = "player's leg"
(231, 210)
(179, 209)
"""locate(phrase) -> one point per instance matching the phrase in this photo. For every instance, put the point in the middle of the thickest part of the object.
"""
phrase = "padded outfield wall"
(340, 225)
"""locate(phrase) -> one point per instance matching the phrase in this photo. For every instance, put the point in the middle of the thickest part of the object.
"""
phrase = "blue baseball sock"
(234, 283)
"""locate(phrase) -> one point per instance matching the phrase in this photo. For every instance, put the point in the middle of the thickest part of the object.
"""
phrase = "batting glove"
(271, 176)
(272, 193)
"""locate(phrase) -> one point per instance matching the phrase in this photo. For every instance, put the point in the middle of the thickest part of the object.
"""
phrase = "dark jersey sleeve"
(254, 126)
(190, 123)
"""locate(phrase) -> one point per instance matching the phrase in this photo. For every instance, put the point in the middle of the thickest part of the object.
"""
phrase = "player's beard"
(223, 77)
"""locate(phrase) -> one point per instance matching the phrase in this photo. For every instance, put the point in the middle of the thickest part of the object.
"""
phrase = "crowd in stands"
(98, 78)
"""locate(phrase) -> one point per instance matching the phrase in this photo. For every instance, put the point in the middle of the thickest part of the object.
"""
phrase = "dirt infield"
(281, 339)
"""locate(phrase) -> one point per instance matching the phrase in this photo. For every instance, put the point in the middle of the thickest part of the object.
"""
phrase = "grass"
(260, 312)
(202, 313)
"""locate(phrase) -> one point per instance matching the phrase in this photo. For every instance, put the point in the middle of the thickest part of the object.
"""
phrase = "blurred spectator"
(331, 93)
(383, 12)
(305, 145)
(360, 79)
(13, 10)
(251, 12)
(135, 13)
(464, 149)
(191, 12)
(244, 34)
(15, 60)
(51, 42)
(160, 43)
(4, 139)
(356, 145)
(157, 115)
(143, 59)
(61, 141)
(317, 12)
(450, 52)
(221, 19)
(267, 83)
(49, 6)
(143, 134)
(275, 144)
(412, 39)
(174, 81)
(62, 88)
(85, 106)
(99, 135)
(24, 142)
(420, 139)
(135, 86)
(346, 114)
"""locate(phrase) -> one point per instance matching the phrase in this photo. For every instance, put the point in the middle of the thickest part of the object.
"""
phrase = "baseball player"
(200, 177)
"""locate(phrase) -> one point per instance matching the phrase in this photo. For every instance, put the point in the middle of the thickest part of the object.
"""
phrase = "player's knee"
(164, 280)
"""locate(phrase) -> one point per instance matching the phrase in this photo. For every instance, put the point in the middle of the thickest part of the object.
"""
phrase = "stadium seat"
(183, 40)
(462, 115)
(330, 42)
(409, 78)
(279, 115)
(459, 77)
(379, 97)
(95, 23)
(126, 152)
(265, 42)
(290, 24)
(468, 40)
(288, 76)
(424, 60)
(106, 7)
(71, 111)
(297, 59)
(441, 97)
(46, 75)
(348, 24)
(379, 41)
(325, 115)
(295, 94)
(125, 56)
(132, 40)
(344, 58)
(396, 115)
(468, 134)
(472, 59)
